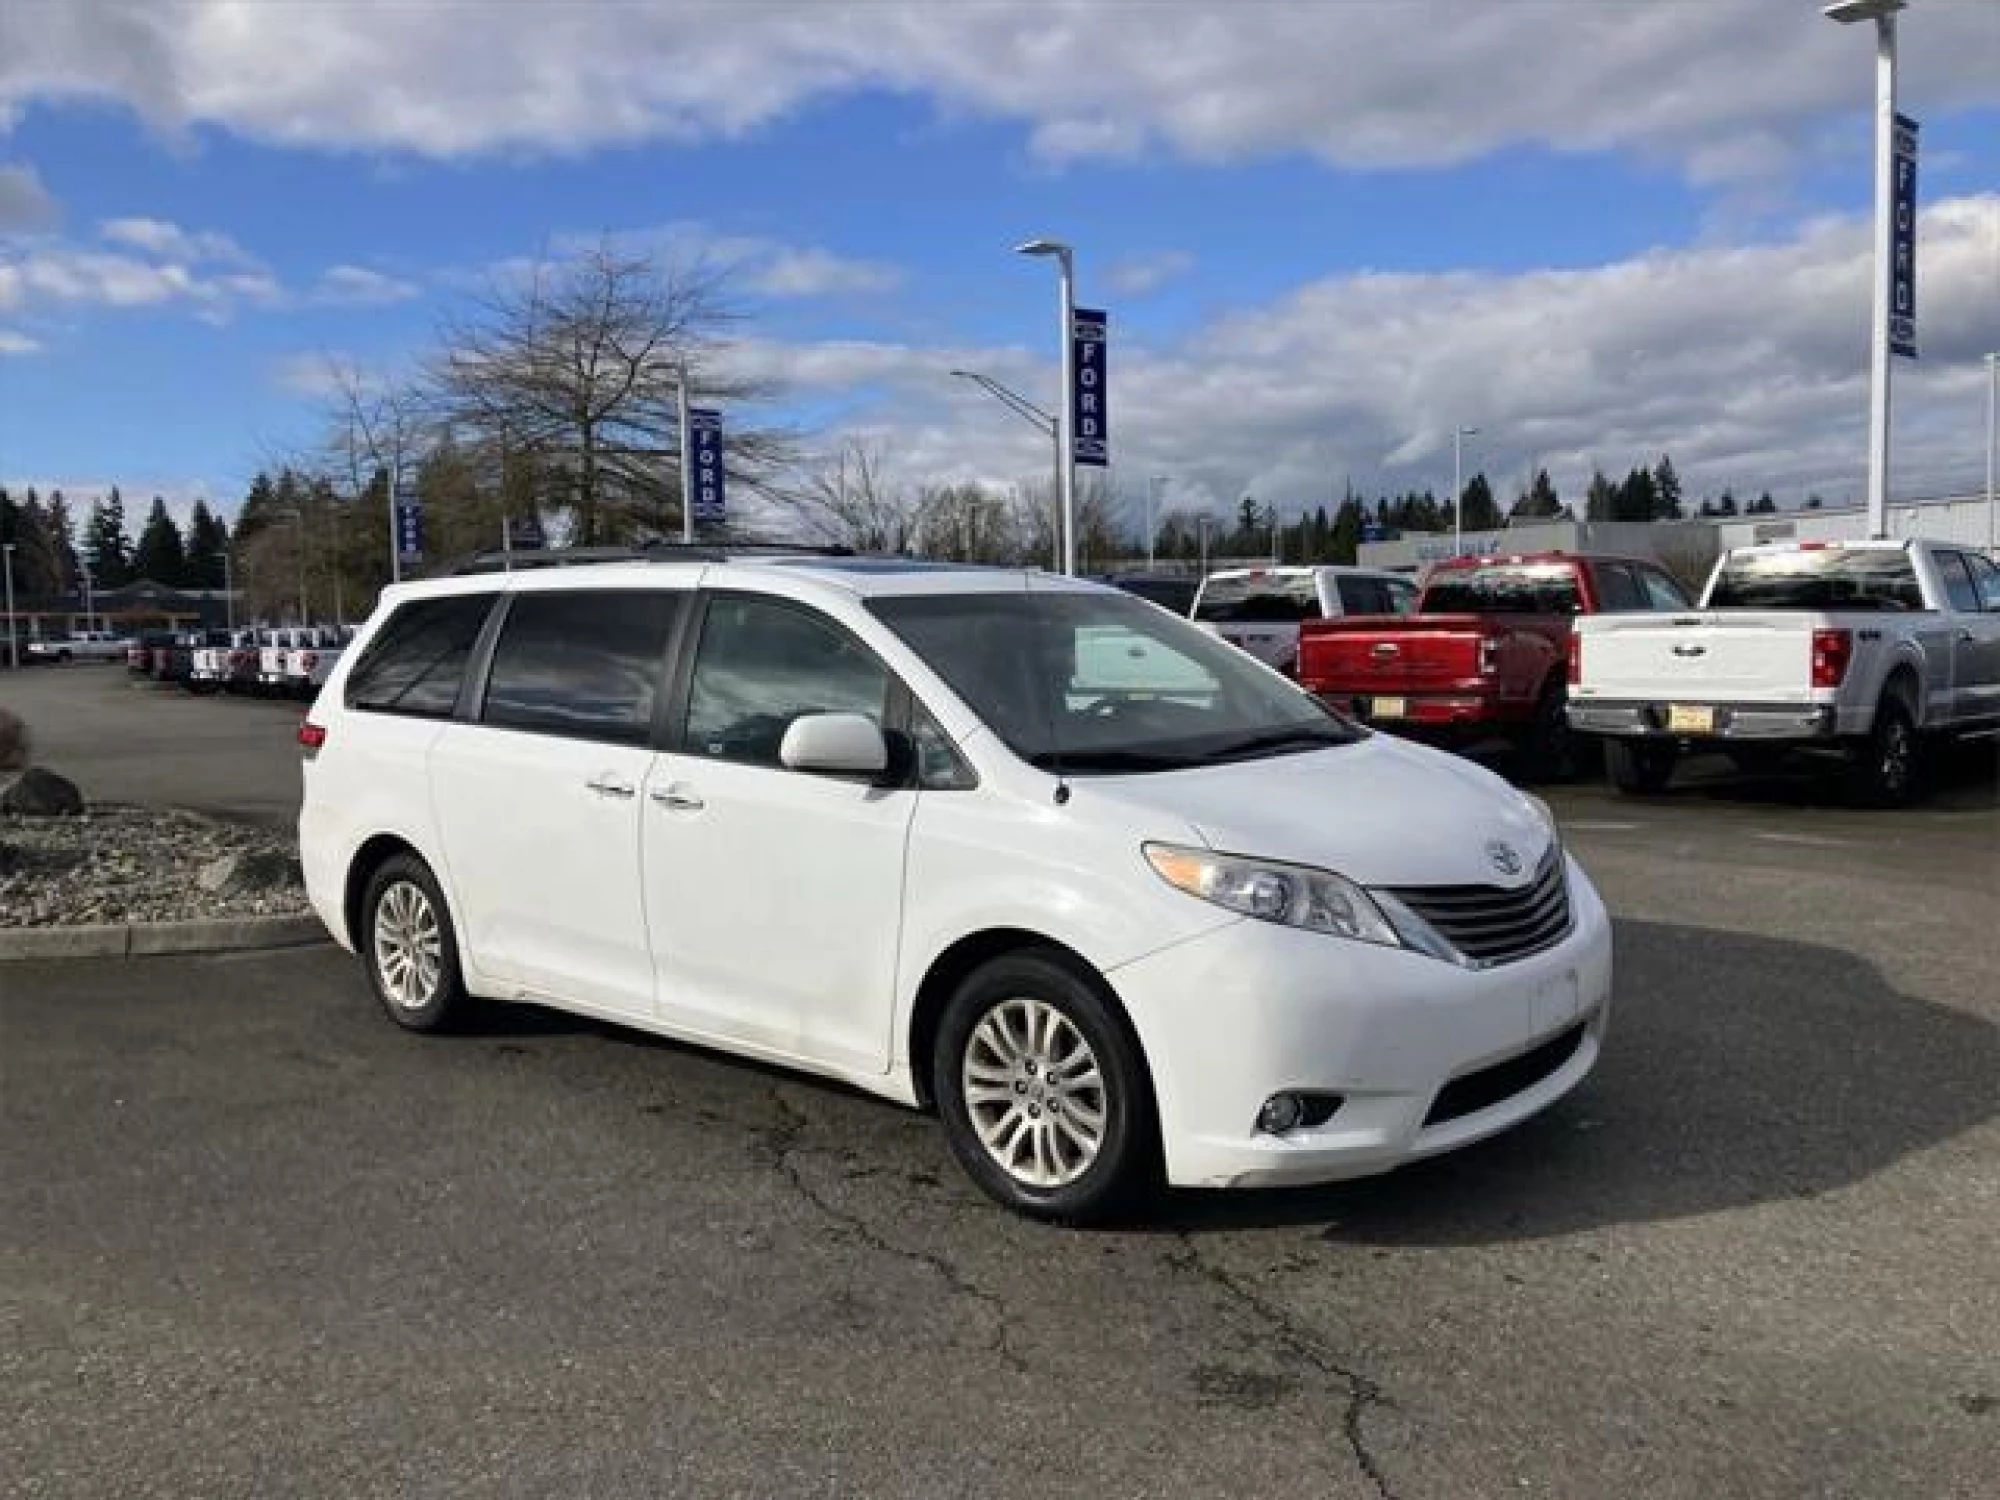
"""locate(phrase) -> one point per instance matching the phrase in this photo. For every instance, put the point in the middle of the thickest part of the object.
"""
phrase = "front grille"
(1502, 1081)
(1490, 925)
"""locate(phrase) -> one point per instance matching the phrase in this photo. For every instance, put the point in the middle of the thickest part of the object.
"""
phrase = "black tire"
(420, 1006)
(1124, 1166)
(1887, 766)
(1639, 767)
(1548, 749)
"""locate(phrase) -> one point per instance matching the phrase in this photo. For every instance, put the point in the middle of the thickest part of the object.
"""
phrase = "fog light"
(1286, 1112)
(1281, 1112)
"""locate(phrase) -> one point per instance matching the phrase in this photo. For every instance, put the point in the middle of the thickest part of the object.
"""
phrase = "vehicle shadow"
(1739, 1070)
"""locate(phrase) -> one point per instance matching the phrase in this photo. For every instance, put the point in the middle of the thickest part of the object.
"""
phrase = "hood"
(1382, 811)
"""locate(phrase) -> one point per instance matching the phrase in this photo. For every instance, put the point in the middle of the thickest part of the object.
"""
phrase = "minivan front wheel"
(1044, 1096)
(408, 946)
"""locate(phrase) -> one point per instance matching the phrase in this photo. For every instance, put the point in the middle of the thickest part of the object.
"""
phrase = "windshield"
(1103, 682)
(1531, 589)
(1831, 579)
(1264, 598)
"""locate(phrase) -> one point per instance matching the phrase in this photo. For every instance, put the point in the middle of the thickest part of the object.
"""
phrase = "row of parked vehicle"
(1865, 650)
(289, 662)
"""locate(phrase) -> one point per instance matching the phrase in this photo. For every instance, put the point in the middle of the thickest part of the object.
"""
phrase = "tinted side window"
(1363, 596)
(1958, 585)
(762, 664)
(583, 663)
(1661, 591)
(1402, 598)
(1986, 577)
(1617, 590)
(416, 662)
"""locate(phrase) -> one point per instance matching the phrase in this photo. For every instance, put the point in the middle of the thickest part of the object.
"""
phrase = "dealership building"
(1689, 548)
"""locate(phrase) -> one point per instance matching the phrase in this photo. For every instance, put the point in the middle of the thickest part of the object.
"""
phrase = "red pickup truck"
(1486, 654)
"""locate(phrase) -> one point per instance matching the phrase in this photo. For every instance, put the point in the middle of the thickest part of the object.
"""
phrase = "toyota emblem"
(1504, 859)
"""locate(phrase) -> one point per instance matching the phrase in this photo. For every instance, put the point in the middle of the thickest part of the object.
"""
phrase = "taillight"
(309, 661)
(311, 737)
(1832, 650)
(1575, 659)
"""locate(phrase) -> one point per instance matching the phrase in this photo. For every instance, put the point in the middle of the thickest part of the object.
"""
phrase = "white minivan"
(877, 819)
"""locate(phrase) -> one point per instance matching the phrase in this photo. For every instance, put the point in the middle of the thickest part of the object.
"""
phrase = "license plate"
(1690, 719)
(1390, 708)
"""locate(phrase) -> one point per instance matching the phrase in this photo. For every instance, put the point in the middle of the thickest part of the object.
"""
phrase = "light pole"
(1065, 439)
(687, 452)
(1992, 452)
(1153, 488)
(1458, 437)
(1883, 14)
(13, 641)
(1035, 417)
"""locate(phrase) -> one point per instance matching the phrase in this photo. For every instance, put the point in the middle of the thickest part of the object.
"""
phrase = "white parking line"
(1587, 825)
(1810, 840)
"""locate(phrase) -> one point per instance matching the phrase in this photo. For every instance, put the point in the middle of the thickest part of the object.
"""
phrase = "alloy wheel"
(409, 947)
(1035, 1092)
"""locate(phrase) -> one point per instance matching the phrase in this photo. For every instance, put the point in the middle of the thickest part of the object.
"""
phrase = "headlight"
(1289, 895)
(1544, 812)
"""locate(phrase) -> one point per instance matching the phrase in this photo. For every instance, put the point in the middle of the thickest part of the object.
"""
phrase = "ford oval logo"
(1504, 857)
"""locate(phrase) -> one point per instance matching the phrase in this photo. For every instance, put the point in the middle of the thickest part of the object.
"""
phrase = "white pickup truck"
(85, 645)
(1861, 647)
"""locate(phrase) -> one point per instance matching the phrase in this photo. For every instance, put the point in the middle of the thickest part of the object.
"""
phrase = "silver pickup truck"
(1861, 647)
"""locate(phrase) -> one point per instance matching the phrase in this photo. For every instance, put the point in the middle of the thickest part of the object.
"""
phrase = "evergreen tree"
(1637, 498)
(1763, 505)
(35, 562)
(1812, 502)
(1601, 501)
(68, 575)
(161, 556)
(1541, 501)
(1481, 511)
(1344, 541)
(1666, 491)
(207, 538)
(1726, 506)
(106, 546)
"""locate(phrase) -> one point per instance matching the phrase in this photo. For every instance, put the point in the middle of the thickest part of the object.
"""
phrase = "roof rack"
(496, 560)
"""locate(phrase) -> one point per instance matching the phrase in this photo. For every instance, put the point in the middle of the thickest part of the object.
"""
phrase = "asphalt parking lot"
(254, 1240)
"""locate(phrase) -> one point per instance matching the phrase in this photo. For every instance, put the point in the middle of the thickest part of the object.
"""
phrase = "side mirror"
(836, 744)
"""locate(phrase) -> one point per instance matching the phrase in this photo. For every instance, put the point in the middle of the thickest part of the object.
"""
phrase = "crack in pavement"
(781, 1143)
(1362, 1391)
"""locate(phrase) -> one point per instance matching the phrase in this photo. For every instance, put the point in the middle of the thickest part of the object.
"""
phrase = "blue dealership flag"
(1903, 240)
(1089, 411)
(705, 443)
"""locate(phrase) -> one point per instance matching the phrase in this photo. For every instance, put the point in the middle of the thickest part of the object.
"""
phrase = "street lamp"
(1992, 451)
(1065, 439)
(1153, 487)
(1458, 437)
(1883, 14)
(1032, 414)
(13, 641)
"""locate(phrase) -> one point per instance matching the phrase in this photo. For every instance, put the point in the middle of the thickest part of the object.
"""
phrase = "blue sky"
(1323, 245)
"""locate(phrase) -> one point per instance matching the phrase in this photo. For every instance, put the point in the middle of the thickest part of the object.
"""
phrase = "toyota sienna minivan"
(1118, 902)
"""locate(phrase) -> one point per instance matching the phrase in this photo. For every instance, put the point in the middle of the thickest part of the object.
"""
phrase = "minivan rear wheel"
(408, 946)
(1045, 1098)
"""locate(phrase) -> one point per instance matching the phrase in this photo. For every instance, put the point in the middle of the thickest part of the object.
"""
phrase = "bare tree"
(578, 368)
(850, 498)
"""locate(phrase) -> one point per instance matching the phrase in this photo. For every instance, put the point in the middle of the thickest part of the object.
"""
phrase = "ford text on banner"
(409, 523)
(1903, 242)
(1089, 416)
(705, 436)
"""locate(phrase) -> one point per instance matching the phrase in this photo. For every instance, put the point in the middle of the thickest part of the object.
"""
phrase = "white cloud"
(165, 241)
(357, 286)
(1141, 275)
(25, 205)
(17, 343)
(1746, 363)
(1414, 83)
(818, 273)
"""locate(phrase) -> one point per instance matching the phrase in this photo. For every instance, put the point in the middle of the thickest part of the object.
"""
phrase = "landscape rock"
(40, 793)
(13, 742)
(246, 871)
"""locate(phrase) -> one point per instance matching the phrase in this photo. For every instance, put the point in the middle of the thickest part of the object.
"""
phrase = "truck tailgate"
(1716, 656)
(1389, 653)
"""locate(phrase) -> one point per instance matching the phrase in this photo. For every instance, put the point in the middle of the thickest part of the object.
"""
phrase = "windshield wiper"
(1295, 737)
(1109, 760)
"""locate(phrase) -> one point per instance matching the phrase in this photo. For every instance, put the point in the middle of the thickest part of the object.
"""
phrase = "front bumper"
(1231, 1018)
(1787, 723)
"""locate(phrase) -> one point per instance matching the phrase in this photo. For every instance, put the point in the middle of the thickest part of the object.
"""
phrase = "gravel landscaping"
(131, 864)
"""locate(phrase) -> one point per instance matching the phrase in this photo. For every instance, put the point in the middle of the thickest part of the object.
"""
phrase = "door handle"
(607, 785)
(677, 797)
